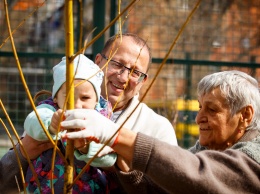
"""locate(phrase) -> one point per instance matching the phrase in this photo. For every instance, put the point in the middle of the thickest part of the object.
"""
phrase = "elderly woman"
(226, 158)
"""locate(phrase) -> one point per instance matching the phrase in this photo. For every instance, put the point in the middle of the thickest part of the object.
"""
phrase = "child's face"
(84, 95)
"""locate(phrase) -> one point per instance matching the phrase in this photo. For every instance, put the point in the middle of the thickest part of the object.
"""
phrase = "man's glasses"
(134, 74)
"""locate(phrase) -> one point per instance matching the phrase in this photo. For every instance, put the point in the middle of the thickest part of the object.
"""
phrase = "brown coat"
(179, 171)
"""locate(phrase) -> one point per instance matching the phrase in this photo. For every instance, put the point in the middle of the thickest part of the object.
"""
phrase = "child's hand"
(93, 148)
(106, 157)
(55, 122)
(82, 145)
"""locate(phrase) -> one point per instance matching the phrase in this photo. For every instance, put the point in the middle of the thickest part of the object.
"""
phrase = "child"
(86, 95)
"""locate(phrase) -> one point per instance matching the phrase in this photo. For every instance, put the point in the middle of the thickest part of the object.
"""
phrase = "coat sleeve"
(32, 125)
(179, 171)
(137, 182)
(10, 170)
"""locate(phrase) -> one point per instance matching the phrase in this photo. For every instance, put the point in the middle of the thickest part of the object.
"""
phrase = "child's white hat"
(84, 68)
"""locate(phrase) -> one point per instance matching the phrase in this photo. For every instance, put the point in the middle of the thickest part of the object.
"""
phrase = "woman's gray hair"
(239, 89)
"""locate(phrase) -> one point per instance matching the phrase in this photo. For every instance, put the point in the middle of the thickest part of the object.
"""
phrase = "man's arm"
(9, 167)
(10, 175)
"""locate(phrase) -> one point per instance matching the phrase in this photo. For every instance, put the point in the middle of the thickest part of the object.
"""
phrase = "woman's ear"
(247, 115)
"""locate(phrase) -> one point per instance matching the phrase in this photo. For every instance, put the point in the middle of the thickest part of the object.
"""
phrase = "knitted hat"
(85, 69)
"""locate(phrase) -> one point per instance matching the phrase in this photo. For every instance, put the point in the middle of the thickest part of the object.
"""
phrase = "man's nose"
(124, 74)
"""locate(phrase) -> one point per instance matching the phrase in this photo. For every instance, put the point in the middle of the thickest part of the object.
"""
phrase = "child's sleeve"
(32, 126)
(107, 160)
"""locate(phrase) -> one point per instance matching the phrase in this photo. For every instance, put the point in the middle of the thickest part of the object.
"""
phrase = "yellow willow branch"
(161, 65)
(54, 155)
(119, 19)
(88, 163)
(81, 24)
(105, 29)
(170, 49)
(121, 94)
(17, 157)
(111, 55)
(121, 23)
(69, 90)
(85, 43)
(109, 58)
(69, 155)
(106, 143)
(21, 146)
(30, 98)
(106, 65)
(163, 62)
(24, 82)
(22, 22)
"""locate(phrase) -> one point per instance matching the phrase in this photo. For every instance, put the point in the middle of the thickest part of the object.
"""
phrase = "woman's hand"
(93, 126)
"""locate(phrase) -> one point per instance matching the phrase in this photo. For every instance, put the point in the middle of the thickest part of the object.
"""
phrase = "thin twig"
(24, 82)
(17, 157)
(22, 22)
(105, 29)
(21, 146)
(163, 62)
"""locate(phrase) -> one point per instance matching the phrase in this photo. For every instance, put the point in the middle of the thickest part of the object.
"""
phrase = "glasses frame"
(142, 76)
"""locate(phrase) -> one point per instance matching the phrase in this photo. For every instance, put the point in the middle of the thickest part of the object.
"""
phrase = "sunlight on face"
(84, 95)
(217, 127)
(117, 85)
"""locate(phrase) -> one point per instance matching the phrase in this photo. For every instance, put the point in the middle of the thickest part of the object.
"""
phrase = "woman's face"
(84, 95)
(218, 130)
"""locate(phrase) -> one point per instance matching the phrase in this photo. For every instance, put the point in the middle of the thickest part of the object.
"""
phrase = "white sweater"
(146, 121)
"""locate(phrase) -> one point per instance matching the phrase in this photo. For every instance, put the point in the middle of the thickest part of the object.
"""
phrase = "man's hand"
(93, 125)
(33, 147)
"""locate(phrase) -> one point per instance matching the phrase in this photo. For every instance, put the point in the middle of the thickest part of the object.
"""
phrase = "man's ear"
(146, 78)
(98, 59)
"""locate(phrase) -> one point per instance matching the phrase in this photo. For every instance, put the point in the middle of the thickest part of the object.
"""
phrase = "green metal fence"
(221, 35)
